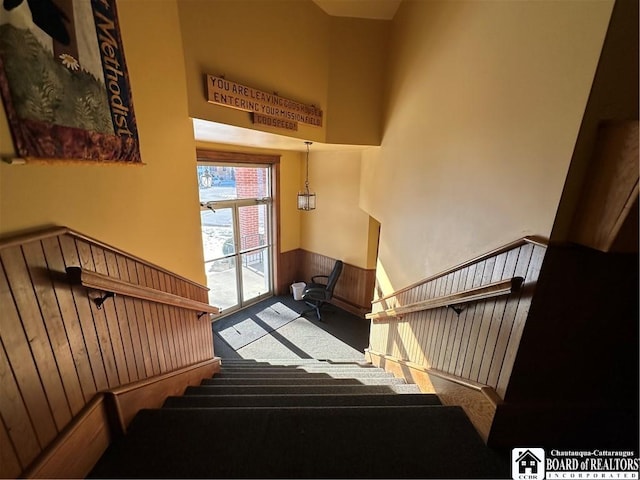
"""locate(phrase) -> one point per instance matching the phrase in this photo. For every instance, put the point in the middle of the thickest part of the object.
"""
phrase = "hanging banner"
(64, 81)
(267, 108)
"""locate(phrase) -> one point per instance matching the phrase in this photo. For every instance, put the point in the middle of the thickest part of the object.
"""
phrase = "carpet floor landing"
(260, 420)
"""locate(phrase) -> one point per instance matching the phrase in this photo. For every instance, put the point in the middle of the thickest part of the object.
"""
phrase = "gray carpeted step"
(298, 389)
(300, 364)
(406, 388)
(304, 381)
(302, 374)
(308, 442)
(284, 361)
(211, 401)
(296, 362)
(305, 368)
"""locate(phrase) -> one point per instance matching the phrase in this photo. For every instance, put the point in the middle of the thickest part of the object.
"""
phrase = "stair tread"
(303, 374)
(341, 442)
(301, 399)
(303, 367)
(304, 381)
(293, 389)
(300, 368)
(298, 361)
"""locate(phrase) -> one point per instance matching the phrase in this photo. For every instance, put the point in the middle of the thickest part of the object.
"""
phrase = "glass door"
(254, 251)
(235, 206)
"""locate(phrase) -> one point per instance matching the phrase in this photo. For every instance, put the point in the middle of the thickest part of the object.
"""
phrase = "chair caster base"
(304, 314)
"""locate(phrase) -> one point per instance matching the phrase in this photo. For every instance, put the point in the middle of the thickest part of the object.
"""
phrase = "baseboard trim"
(478, 401)
(350, 307)
(129, 399)
(78, 447)
(107, 416)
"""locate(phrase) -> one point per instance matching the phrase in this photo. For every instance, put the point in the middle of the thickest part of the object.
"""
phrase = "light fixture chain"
(306, 199)
(306, 182)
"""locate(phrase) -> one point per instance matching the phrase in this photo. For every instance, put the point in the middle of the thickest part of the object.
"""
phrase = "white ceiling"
(374, 9)
(206, 131)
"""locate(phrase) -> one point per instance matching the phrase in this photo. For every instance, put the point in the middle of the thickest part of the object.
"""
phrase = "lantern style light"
(306, 200)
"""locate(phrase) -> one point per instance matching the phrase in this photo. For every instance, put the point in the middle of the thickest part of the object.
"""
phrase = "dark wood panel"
(151, 323)
(115, 319)
(354, 290)
(58, 349)
(33, 324)
(466, 318)
(178, 337)
(476, 320)
(456, 327)
(532, 272)
(9, 464)
(477, 343)
(88, 324)
(132, 318)
(438, 289)
(24, 368)
(113, 270)
(69, 314)
(55, 329)
(500, 308)
(459, 338)
(523, 256)
(144, 332)
(611, 189)
(424, 327)
(100, 318)
(22, 442)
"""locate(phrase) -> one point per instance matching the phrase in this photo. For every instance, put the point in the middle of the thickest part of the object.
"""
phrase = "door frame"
(230, 157)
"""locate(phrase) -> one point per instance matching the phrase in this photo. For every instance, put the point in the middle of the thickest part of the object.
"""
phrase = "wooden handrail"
(516, 243)
(97, 281)
(41, 234)
(503, 287)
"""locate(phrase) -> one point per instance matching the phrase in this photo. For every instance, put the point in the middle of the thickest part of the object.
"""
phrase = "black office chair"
(316, 294)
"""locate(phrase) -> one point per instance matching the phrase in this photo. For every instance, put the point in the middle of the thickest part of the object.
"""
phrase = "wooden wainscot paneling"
(478, 337)
(288, 271)
(467, 353)
(354, 290)
(59, 348)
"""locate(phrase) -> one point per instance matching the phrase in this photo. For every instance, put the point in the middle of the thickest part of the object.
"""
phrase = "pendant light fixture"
(306, 200)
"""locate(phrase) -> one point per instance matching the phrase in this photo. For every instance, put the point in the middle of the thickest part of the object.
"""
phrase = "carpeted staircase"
(308, 419)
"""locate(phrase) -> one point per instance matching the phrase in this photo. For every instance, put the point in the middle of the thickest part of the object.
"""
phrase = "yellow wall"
(287, 46)
(357, 61)
(484, 106)
(149, 211)
(338, 228)
(289, 216)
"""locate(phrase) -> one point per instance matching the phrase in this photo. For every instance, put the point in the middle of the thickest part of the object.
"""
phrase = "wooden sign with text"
(266, 108)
